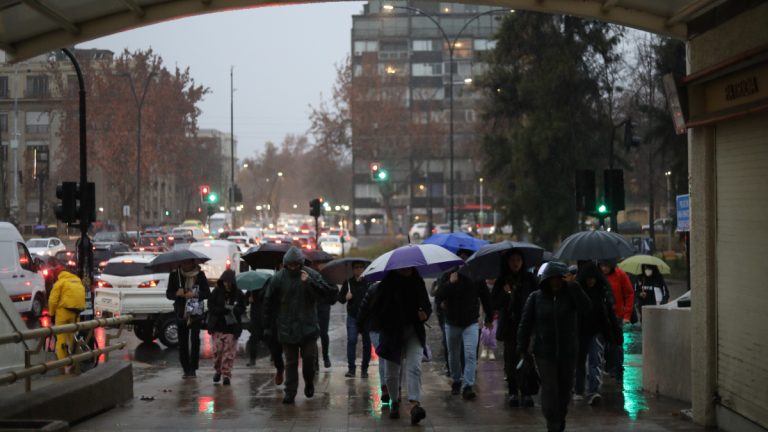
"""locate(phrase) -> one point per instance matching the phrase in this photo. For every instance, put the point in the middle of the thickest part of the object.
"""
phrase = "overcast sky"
(284, 59)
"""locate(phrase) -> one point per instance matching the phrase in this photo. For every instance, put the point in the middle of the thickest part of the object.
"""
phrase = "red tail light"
(45, 273)
(228, 264)
(21, 298)
(99, 283)
(149, 284)
(103, 264)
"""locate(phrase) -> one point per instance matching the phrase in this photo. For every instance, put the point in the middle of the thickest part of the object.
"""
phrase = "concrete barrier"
(667, 351)
(72, 398)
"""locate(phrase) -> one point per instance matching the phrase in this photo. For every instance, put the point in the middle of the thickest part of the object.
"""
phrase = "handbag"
(528, 376)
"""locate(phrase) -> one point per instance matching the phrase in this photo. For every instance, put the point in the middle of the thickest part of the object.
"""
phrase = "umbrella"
(594, 245)
(317, 255)
(486, 262)
(455, 241)
(428, 259)
(339, 270)
(252, 280)
(266, 255)
(634, 264)
(170, 261)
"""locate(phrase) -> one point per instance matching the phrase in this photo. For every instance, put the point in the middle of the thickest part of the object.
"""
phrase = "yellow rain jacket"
(68, 293)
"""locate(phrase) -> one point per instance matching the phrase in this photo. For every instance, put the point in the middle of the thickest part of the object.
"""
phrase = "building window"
(4, 122)
(426, 45)
(393, 50)
(470, 116)
(361, 47)
(37, 122)
(484, 44)
(4, 87)
(367, 190)
(462, 48)
(73, 86)
(427, 69)
(37, 86)
(428, 93)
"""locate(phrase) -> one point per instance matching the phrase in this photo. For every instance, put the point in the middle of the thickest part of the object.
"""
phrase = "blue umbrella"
(429, 260)
(455, 241)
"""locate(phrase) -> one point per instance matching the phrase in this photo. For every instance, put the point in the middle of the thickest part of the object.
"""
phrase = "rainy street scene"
(370, 215)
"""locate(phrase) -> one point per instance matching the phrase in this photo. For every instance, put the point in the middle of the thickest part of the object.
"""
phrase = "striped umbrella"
(429, 260)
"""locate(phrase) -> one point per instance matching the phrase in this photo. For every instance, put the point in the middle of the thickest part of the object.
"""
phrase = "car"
(418, 231)
(243, 242)
(333, 245)
(68, 258)
(112, 236)
(151, 243)
(190, 231)
(224, 235)
(104, 251)
(224, 255)
(442, 228)
(306, 242)
(130, 271)
(45, 246)
(346, 234)
(18, 273)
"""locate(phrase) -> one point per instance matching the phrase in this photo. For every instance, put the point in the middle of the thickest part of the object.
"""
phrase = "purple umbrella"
(429, 260)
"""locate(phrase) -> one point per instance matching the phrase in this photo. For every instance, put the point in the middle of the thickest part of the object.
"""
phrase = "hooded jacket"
(623, 293)
(600, 319)
(552, 318)
(292, 304)
(221, 302)
(649, 286)
(68, 293)
(462, 299)
(510, 305)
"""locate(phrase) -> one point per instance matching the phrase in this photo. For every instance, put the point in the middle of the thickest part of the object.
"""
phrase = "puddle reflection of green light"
(634, 398)
(376, 403)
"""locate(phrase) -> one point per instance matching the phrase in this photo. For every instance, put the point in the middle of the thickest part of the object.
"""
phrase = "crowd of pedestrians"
(558, 326)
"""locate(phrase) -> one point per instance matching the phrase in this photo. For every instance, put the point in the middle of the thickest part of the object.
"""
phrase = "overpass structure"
(726, 93)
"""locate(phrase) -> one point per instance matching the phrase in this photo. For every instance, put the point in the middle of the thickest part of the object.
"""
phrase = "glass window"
(484, 44)
(127, 268)
(427, 69)
(25, 260)
(37, 86)
(425, 45)
(462, 48)
(37, 122)
(4, 122)
(7, 257)
(428, 93)
(365, 46)
(4, 87)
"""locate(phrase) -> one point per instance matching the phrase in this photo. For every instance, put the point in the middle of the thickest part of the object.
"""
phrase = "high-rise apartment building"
(400, 110)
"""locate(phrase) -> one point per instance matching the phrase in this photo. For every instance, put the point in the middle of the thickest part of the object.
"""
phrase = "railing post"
(27, 364)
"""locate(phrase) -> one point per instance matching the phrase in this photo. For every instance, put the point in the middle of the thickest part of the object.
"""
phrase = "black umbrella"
(594, 245)
(170, 261)
(486, 263)
(266, 255)
(317, 255)
(339, 270)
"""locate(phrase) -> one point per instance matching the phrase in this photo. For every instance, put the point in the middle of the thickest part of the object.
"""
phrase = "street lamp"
(451, 49)
(139, 107)
(482, 220)
(668, 175)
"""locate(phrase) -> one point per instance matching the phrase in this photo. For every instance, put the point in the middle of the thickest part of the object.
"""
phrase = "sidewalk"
(253, 402)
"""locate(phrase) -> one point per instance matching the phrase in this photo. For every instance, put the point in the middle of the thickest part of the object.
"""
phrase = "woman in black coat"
(188, 288)
(225, 310)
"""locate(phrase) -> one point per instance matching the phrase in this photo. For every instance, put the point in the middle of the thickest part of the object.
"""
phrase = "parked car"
(224, 255)
(333, 245)
(243, 242)
(112, 236)
(104, 251)
(18, 273)
(45, 246)
(418, 230)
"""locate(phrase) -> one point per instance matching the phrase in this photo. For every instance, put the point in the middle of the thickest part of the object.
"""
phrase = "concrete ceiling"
(31, 27)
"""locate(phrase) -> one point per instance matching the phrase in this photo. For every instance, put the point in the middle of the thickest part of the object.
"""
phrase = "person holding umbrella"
(508, 295)
(650, 288)
(461, 297)
(254, 282)
(188, 288)
(226, 306)
(291, 303)
(352, 293)
(550, 318)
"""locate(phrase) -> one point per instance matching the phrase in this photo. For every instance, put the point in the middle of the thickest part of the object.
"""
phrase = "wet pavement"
(164, 401)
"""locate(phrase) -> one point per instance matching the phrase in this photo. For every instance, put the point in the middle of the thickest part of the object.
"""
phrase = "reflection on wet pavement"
(634, 397)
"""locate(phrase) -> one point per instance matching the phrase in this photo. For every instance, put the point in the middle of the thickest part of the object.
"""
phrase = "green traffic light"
(602, 209)
(212, 197)
(382, 175)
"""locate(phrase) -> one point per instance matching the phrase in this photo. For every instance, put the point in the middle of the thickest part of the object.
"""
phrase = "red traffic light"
(204, 189)
(375, 166)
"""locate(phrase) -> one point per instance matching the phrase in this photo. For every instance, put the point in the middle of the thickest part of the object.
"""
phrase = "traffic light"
(66, 211)
(315, 206)
(383, 175)
(204, 191)
(375, 168)
(602, 210)
(213, 198)
(614, 190)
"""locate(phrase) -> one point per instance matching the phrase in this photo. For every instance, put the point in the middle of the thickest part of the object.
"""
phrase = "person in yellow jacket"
(65, 303)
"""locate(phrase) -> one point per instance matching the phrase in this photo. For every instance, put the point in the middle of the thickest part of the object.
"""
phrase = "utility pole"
(232, 145)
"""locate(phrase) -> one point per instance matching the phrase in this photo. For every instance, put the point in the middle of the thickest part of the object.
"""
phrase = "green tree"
(547, 114)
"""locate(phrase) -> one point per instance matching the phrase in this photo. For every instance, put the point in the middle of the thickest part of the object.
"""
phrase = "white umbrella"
(429, 260)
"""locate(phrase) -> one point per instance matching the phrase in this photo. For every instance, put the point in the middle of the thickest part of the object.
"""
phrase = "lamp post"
(668, 175)
(451, 48)
(139, 107)
(482, 221)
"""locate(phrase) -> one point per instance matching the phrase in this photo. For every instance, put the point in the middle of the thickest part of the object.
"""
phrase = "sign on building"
(683, 213)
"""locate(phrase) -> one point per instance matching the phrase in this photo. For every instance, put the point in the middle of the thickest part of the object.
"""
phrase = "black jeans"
(253, 340)
(556, 384)
(189, 335)
(324, 319)
(510, 365)
(276, 352)
(308, 352)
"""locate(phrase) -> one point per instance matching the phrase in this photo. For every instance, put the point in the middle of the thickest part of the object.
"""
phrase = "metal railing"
(80, 353)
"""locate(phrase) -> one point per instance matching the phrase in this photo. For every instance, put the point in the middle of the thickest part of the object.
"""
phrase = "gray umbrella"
(594, 245)
(487, 262)
(341, 269)
(169, 261)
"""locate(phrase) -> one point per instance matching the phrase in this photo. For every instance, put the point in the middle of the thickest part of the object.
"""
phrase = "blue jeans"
(589, 365)
(382, 363)
(412, 353)
(469, 336)
(352, 332)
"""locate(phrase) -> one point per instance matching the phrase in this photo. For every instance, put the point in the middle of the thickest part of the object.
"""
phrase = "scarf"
(190, 277)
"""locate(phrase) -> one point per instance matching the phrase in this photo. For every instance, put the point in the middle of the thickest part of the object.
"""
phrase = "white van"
(224, 255)
(18, 274)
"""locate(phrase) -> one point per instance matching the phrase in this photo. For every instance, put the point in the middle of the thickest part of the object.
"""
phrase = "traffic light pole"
(84, 265)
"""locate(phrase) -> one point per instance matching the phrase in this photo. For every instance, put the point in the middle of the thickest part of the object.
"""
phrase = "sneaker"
(279, 377)
(528, 402)
(364, 374)
(309, 390)
(468, 393)
(491, 355)
(578, 397)
(483, 353)
(417, 414)
(513, 401)
(226, 381)
(456, 388)
(595, 399)
(289, 399)
(350, 374)
(327, 362)
(216, 377)
(394, 411)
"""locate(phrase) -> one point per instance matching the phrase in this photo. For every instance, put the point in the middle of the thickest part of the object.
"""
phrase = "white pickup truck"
(127, 287)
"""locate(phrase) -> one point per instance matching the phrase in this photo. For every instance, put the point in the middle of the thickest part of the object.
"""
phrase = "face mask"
(648, 272)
